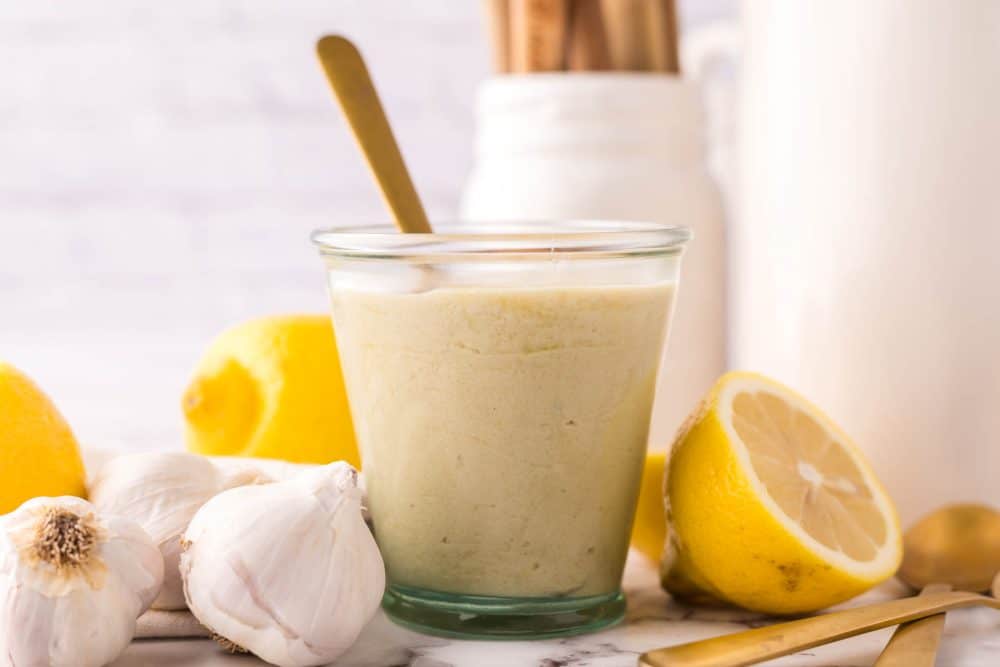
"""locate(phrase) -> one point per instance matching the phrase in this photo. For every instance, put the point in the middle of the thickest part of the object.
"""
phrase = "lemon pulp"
(810, 475)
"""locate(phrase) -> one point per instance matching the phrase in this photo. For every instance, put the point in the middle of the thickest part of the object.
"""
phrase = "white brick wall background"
(162, 163)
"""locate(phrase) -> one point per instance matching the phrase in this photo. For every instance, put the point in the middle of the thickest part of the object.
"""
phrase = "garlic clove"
(162, 491)
(277, 469)
(26, 625)
(72, 583)
(288, 570)
(134, 574)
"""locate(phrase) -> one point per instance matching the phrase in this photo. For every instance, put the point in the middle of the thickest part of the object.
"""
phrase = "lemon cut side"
(771, 506)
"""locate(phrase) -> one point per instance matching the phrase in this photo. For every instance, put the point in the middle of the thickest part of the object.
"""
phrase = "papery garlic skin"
(288, 571)
(162, 491)
(277, 469)
(72, 583)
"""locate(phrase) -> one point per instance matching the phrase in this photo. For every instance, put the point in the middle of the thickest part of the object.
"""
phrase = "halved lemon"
(771, 506)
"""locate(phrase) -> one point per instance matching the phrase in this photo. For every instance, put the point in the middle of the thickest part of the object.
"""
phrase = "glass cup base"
(485, 617)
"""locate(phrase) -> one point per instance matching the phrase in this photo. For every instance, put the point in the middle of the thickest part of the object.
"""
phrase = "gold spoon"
(345, 69)
(953, 551)
(915, 644)
(963, 538)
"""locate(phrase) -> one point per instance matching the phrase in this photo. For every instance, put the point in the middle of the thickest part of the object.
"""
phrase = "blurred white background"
(161, 165)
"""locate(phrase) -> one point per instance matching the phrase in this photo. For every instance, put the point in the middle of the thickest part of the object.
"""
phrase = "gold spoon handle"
(348, 76)
(774, 641)
(915, 644)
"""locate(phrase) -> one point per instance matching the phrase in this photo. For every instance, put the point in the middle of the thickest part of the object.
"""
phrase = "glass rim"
(576, 239)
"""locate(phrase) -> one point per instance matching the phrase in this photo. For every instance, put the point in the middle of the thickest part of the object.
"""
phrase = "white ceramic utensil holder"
(613, 146)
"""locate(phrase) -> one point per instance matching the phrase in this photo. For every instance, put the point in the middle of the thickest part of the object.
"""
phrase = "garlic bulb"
(277, 470)
(162, 491)
(72, 583)
(288, 571)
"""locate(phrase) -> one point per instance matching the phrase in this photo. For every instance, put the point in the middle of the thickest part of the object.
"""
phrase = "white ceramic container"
(613, 147)
(864, 268)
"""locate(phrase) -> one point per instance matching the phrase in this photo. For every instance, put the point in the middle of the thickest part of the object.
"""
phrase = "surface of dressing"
(503, 430)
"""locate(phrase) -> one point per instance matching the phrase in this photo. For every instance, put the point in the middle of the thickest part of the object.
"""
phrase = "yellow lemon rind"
(730, 540)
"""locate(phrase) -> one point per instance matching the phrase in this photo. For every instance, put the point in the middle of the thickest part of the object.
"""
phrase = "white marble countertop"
(972, 639)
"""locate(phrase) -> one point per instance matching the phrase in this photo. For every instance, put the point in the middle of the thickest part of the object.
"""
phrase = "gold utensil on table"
(915, 644)
(956, 546)
(774, 641)
(965, 539)
(351, 83)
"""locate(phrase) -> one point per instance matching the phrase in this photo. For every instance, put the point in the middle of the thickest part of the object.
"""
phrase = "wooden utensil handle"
(623, 21)
(538, 35)
(588, 44)
(498, 23)
(774, 641)
(662, 34)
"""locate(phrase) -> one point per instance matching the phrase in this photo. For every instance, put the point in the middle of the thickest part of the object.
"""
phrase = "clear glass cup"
(501, 382)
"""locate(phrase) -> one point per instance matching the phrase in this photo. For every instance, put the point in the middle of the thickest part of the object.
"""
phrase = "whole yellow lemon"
(649, 532)
(272, 388)
(38, 452)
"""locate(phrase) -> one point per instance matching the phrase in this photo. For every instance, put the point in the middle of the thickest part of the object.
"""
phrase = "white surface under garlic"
(288, 571)
(72, 583)
(162, 491)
